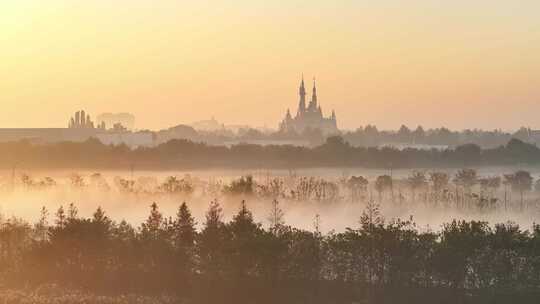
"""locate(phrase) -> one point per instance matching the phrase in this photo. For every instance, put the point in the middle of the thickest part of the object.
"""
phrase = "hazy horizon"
(431, 63)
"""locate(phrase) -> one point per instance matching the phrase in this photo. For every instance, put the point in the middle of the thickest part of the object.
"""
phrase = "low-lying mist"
(337, 198)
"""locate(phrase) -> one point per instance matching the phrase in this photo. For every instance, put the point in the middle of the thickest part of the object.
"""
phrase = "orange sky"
(462, 64)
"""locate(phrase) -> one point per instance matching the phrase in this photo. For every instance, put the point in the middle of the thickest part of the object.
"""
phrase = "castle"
(310, 117)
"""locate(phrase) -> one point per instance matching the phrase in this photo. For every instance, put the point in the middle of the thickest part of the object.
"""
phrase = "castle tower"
(83, 119)
(302, 103)
(314, 97)
(313, 103)
(310, 117)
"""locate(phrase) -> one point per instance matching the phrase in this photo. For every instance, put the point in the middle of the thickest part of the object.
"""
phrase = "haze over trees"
(335, 152)
(365, 136)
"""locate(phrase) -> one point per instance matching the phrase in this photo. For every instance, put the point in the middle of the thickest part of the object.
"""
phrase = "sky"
(460, 64)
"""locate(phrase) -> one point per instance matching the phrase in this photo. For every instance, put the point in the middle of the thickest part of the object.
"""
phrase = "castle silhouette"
(310, 117)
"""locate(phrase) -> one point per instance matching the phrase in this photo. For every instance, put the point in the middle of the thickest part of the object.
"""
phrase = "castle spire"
(302, 93)
(314, 97)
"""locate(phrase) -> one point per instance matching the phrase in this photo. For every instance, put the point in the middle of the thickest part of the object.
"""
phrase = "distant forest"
(185, 154)
(366, 136)
(241, 262)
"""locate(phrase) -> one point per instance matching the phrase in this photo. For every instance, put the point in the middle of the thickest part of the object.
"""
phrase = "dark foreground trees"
(241, 262)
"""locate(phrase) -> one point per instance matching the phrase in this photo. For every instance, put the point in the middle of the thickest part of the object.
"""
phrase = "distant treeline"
(366, 136)
(370, 136)
(241, 262)
(335, 152)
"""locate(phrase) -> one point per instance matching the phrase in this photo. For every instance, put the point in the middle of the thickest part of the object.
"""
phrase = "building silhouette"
(310, 116)
(80, 128)
(81, 120)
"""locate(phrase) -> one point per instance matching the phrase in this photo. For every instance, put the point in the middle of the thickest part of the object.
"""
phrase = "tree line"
(185, 154)
(368, 135)
(242, 261)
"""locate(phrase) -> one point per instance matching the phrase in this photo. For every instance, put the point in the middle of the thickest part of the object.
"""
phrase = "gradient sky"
(461, 64)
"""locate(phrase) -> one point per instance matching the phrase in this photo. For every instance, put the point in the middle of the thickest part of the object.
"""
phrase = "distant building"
(208, 125)
(110, 119)
(80, 128)
(81, 120)
(310, 116)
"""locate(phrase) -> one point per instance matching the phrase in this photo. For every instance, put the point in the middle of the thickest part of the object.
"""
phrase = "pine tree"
(214, 215)
(73, 212)
(317, 225)
(211, 242)
(276, 217)
(153, 227)
(101, 222)
(42, 226)
(60, 218)
(243, 220)
(184, 227)
(371, 216)
(244, 240)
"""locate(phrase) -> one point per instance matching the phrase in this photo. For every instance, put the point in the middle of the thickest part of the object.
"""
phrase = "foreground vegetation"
(52, 294)
(241, 262)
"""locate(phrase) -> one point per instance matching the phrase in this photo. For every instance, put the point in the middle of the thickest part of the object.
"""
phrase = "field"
(51, 294)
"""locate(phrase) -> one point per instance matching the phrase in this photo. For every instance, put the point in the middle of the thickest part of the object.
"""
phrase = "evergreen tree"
(42, 226)
(60, 218)
(153, 227)
(73, 212)
(214, 215)
(276, 217)
(211, 243)
(184, 227)
(244, 233)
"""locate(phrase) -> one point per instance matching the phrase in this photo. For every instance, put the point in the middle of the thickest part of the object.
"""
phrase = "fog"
(22, 196)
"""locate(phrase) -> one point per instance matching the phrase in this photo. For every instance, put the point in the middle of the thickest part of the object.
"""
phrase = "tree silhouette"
(466, 179)
(520, 181)
(417, 180)
(184, 227)
(211, 243)
(383, 183)
(276, 217)
(42, 226)
(357, 186)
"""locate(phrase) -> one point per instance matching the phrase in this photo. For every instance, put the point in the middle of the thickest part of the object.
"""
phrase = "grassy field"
(56, 295)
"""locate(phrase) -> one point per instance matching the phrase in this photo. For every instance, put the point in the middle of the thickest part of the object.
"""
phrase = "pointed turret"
(83, 119)
(314, 97)
(302, 103)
